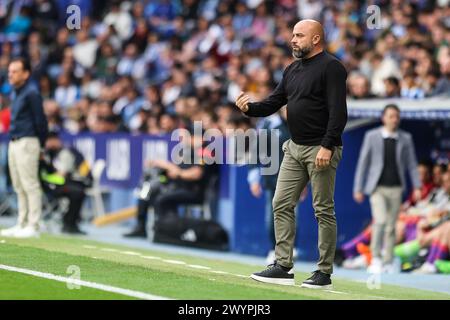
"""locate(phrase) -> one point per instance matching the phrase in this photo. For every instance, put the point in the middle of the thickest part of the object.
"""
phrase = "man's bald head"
(308, 38)
(311, 28)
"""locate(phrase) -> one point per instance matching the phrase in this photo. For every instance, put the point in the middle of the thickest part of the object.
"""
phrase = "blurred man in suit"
(387, 152)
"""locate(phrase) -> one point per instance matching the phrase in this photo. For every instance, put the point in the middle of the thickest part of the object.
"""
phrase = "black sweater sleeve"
(335, 86)
(271, 104)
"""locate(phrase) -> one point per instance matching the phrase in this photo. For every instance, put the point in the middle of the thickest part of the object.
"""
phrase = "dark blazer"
(27, 114)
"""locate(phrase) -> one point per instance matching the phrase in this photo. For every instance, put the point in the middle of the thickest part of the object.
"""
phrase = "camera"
(152, 179)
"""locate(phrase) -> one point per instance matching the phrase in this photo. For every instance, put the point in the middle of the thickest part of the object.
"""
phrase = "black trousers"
(167, 202)
(75, 193)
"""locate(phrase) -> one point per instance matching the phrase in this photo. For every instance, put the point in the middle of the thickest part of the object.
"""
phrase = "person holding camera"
(167, 185)
(65, 173)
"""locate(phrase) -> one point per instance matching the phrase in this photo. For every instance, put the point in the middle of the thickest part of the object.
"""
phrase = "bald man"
(313, 87)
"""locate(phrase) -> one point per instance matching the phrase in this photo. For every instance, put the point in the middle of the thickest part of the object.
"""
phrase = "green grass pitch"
(173, 276)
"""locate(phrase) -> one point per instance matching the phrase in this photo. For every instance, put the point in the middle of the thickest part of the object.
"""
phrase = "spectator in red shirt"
(5, 114)
(426, 177)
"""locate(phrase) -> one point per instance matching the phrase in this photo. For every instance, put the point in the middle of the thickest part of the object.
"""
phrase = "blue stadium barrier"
(239, 212)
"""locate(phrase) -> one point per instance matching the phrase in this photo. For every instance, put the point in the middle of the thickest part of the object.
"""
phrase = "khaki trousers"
(297, 169)
(385, 204)
(23, 160)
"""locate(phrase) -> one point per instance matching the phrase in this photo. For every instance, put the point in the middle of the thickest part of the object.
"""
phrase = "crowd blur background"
(152, 66)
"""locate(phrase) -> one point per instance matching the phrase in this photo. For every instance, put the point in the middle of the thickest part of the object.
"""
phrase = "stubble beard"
(301, 53)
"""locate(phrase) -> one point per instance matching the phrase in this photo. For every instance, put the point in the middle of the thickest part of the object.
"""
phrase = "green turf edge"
(352, 289)
(151, 280)
(17, 286)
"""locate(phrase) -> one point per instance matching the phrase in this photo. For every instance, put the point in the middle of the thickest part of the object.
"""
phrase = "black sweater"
(315, 92)
(389, 176)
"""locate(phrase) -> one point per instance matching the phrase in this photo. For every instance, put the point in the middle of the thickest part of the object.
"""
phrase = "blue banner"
(125, 155)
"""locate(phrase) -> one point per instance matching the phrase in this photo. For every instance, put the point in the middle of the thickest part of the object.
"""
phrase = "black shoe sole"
(279, 281)
(317, 287)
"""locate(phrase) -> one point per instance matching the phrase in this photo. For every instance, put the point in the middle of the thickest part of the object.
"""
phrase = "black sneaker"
(275, 274)
(73, 230)
(318, 280)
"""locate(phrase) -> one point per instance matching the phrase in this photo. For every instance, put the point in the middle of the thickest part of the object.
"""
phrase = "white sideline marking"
(219, 272)
(195, 266)
(330, 291)
(174, 261)
(151, 257)
(333, 291)
(177, 262)
(130, 253)
(240, 275)
(103, 287)
(109, 249)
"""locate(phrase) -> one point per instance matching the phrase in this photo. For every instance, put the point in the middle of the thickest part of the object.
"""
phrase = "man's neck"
(389, 130)
(20, 86)
(314, 53)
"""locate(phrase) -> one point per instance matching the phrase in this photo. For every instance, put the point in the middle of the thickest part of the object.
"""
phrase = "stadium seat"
(96, 191)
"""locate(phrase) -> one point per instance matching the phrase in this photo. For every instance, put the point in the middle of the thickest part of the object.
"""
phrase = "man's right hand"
(359, 197)
(242, 102)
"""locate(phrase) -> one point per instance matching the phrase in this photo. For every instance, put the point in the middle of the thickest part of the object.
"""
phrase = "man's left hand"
(323, 158)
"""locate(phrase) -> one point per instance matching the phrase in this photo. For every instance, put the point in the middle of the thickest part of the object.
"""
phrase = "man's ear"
(316, 39)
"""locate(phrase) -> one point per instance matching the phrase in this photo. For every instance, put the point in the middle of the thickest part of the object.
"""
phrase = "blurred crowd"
(422, 229)
(152, 66)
